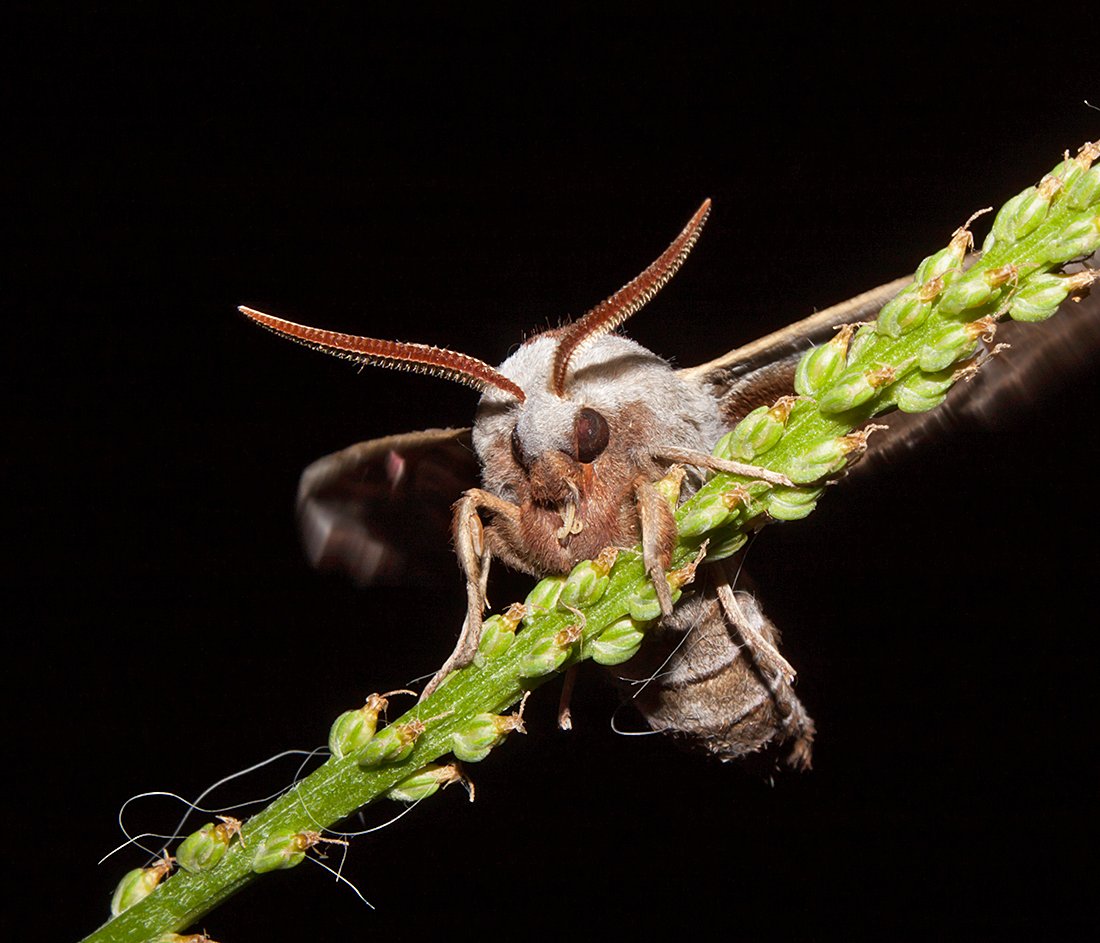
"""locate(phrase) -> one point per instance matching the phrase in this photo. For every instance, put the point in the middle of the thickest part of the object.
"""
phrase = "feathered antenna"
(418, 358)
(613, 311)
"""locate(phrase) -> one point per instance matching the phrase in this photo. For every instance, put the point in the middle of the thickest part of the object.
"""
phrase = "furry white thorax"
(606, 374)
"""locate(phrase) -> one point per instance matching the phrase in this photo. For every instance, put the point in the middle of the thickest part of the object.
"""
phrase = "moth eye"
(517, 448)
(592, 433)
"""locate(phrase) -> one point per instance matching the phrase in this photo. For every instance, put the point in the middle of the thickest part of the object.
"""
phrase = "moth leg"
(474, 558)
(776, 672)
(658, 527)
(565, 715)
(706, 460)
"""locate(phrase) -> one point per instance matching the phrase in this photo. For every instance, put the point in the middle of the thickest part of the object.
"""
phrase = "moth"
(569, 437)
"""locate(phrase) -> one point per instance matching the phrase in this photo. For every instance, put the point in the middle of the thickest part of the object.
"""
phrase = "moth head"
(560, 421)
(595, 404)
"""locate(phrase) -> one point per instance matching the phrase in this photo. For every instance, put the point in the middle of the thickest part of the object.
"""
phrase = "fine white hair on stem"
(195, 805)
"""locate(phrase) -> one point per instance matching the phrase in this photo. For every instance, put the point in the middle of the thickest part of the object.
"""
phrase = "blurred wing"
(762, 371)
(380, 511)
(1040, 358)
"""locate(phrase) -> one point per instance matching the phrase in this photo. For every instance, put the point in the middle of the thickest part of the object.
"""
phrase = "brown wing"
(763, 370)
(1040, 357)
(380, 511)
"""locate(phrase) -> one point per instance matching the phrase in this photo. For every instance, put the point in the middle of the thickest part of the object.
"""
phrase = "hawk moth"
(571, 432)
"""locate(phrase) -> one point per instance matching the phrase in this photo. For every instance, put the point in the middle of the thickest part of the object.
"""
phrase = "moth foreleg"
(774, 670)
(706, 460)
(658, 527)
(474, 558)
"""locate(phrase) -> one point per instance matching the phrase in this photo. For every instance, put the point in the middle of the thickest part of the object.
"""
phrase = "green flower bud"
(473, 742)
(820, 461)
(204, 849)
(965, 295)
(920, 392)
(1032, 210)
(1003, 229)
(353, 730)
(588, 581)
(285, 849)
(619, 641)
(854, 389)
(1079, 238)
(791, 504)
(549, 654)
(819, 366)
(392, 745)
(1085, 190)
(725, 542)
(425, 782)
(498, 633)
(1040, 297)
(138, 884)
(542, 598)
(708, 513)
(669, 485)
(759, 431)
(644, 606)
(952, 343)
(832, 455)
(901, 315)
(935, 265)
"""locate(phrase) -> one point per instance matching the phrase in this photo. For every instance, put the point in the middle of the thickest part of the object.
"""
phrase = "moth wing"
(763, 370)
(1039, 357)
(380, 511)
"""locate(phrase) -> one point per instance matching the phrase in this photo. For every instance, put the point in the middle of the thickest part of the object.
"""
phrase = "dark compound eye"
(517, 448)
(591, 432)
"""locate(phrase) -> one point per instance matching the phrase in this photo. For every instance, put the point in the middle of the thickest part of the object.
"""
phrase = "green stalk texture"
(1037, 232)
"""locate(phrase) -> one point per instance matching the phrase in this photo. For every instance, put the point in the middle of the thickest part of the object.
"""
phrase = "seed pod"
(138, 884)
(392, 745)
(620, 641)
(204, 849)
(472, 743)
(542, 598)
(425, 782)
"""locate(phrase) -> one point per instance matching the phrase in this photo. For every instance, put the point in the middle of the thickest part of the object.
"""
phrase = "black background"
(460, 182)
